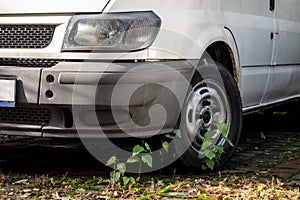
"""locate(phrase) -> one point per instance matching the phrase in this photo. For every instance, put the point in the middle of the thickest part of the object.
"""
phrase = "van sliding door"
(285, 71)
(252, 23)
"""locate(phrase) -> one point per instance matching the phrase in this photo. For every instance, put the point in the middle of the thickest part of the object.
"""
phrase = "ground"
(265, 166)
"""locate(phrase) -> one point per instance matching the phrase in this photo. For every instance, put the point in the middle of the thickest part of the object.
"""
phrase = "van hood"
(51, 6)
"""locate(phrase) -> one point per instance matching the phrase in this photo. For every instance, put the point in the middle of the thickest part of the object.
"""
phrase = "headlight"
(112, 31)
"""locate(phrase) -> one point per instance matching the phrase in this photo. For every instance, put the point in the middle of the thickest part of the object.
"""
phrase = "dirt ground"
(269, 150)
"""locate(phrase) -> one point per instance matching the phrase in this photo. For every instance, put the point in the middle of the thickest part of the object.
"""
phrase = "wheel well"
(221, 53)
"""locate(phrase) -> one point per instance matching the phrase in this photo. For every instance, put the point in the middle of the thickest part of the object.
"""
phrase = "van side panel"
(285, 73)
(288, 37)
(251, 23)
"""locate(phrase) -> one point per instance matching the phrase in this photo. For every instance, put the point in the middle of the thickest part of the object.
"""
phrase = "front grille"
(28, 62)
(33, 115)
(25, 36)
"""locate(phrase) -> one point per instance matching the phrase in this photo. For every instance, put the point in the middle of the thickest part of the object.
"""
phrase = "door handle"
(272, 5)
(273, 34)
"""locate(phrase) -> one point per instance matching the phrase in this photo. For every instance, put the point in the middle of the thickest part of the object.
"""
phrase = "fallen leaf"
(23, 182)
(27, 190)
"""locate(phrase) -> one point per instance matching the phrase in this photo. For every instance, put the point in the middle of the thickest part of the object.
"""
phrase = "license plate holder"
(7, 91)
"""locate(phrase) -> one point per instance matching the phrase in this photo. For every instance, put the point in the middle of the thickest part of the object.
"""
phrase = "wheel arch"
(222, 48)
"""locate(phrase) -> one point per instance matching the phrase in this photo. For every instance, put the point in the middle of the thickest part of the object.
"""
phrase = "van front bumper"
(87, 97)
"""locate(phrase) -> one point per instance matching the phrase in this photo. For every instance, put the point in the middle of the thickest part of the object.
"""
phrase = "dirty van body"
(140, 68)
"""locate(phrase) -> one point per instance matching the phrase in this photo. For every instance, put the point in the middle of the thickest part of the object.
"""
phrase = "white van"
(75, 67)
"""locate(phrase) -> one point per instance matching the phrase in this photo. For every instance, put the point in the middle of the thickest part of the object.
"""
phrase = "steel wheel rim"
(207, 104)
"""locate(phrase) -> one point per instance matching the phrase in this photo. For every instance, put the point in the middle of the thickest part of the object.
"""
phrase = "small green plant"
(212, 151)
(140, 154)
(136, 157)
(262, 136)
(119, 169)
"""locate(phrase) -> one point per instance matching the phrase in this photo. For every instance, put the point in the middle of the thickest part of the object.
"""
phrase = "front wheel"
(213, 99)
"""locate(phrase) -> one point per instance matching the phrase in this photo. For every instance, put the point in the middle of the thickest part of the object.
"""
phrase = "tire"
(213, 98)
